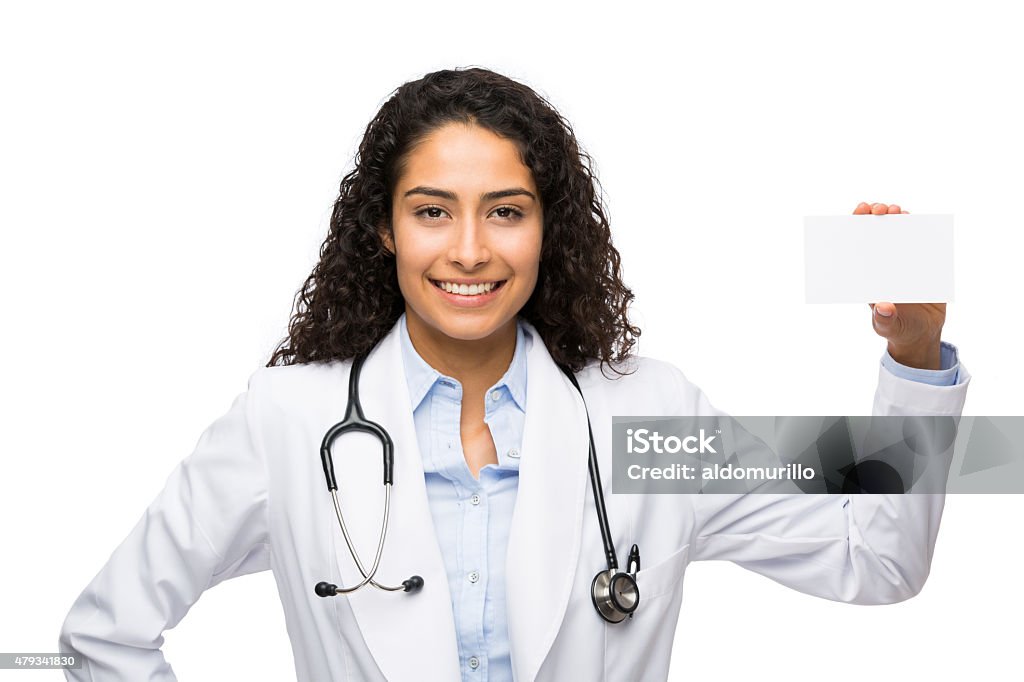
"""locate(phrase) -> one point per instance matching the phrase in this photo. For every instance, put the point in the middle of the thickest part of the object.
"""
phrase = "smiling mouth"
(468, 289)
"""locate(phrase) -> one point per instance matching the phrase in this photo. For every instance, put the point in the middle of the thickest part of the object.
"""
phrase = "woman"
(469, 262)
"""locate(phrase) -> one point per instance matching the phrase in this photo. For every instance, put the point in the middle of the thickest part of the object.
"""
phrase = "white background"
(166, 177)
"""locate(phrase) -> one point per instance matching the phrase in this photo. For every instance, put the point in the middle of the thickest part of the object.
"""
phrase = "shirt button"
(474, 662)
(495, 395)
(513, 453)
(474, 576)
(475, 499)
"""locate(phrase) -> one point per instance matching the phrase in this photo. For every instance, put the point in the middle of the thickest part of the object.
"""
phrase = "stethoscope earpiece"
(413, 584)
(325, 590)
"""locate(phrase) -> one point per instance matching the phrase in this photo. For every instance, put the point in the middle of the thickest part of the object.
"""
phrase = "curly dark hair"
(351, 300)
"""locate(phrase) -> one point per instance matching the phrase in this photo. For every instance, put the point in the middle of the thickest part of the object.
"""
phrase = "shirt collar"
(421, 377)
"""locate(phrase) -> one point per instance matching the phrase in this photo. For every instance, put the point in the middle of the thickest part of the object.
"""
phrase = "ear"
(386, 239)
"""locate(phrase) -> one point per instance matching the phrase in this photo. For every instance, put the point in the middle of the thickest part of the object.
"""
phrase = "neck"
(476, 364)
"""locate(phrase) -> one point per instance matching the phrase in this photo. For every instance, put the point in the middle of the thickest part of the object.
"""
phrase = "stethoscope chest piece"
(615, 593)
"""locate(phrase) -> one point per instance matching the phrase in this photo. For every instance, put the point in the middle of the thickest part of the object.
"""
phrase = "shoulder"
(295, 385)
(634, 370)
(641, 382)
(298, 375)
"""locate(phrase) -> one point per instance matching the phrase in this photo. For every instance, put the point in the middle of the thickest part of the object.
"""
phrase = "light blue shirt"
(472, 517)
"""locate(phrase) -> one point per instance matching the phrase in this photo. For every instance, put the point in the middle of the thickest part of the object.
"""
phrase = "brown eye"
(430, 212)
(508, 212)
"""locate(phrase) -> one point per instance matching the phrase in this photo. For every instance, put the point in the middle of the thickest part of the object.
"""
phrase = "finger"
(894, 208)
(863, 208)
(878, 209)
(884, 320)
(904, 211)
(885, 310)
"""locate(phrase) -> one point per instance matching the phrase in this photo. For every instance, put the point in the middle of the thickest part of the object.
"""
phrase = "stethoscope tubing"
(595, 482)
(355, 421)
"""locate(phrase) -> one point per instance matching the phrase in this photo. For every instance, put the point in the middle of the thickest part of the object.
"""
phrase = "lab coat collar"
(544, 539)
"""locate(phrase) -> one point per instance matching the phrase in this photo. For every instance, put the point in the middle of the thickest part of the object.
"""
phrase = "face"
(467, 225)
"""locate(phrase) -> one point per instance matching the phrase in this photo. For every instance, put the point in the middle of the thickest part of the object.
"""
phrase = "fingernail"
(883, 313)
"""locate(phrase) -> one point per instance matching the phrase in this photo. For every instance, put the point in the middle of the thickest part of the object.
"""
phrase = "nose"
(469, 244)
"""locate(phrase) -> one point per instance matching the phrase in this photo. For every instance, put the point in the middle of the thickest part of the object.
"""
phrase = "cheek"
(408, 269)
(413, 255)
(529, 256)
(522, 249)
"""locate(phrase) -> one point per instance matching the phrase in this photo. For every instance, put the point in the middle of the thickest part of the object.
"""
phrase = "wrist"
(920, 356)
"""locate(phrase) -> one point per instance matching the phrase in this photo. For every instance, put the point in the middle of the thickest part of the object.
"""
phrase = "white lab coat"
(252, 497)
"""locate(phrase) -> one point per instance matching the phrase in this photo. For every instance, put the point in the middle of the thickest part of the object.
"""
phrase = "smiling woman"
(466, 177)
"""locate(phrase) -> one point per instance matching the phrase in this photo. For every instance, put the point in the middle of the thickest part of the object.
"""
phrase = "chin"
(469, 330)
(466, 327)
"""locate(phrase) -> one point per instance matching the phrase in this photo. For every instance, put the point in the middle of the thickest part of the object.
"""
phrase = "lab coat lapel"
(544, 540)
(411, 636)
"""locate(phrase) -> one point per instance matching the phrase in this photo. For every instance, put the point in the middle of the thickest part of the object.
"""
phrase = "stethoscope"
(615, 593)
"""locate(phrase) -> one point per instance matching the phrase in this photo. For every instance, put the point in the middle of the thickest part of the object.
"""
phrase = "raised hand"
(913, 330)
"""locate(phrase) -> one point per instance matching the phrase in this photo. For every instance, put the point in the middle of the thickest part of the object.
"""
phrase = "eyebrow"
(486, 196)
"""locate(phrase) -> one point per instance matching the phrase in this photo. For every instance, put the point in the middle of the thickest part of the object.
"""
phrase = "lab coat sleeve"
(208, 524)
(863, 549)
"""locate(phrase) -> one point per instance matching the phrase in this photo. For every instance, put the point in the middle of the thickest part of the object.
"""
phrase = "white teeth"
(467, 289)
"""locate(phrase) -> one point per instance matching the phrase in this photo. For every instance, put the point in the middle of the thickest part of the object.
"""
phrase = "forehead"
(467, 156)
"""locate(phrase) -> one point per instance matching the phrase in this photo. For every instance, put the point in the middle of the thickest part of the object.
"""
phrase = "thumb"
(886, 320)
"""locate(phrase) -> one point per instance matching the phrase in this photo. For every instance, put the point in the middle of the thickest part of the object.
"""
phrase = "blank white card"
(899, 258)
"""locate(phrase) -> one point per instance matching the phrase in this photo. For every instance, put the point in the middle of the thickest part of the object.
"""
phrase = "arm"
(853, 548)
(207, 525)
